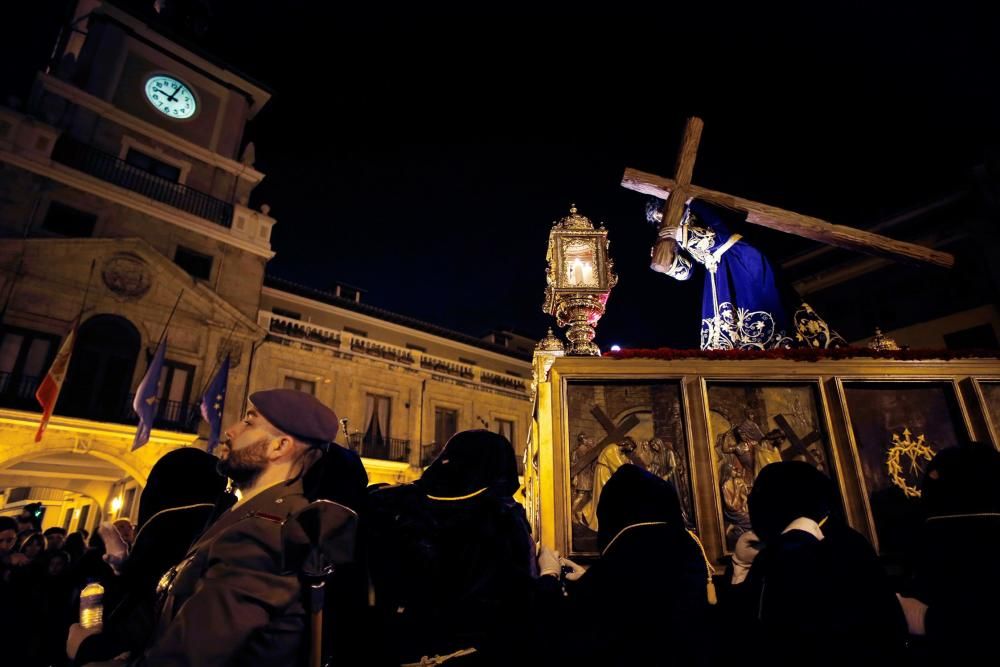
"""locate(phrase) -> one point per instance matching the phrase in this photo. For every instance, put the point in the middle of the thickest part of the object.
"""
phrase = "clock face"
(170, 97)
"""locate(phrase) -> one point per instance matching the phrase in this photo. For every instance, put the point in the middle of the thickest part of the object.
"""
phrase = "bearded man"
(231, 601)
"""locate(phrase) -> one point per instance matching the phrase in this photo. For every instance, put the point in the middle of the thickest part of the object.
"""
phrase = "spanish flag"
(48, 391)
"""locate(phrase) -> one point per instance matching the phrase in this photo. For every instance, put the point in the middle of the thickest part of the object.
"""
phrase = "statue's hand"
(669, 233)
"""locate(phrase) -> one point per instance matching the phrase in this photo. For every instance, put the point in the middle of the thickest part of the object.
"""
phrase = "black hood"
(182, 477)
(632, 496)
(785, 491)
(472, 460)
(962, 480)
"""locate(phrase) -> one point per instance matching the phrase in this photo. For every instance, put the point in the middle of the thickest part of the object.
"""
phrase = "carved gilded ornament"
(916, 451)
(579, 278)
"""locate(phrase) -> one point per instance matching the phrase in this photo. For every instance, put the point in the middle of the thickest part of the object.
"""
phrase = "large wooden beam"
(797, 224)
(673, 212)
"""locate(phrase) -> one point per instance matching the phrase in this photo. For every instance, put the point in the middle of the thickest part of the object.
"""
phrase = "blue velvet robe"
(742, 305)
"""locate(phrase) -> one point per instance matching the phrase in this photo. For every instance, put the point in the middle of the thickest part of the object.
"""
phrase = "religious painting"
(989, 393)
(752, 425)
(897, 427)
(614, 423)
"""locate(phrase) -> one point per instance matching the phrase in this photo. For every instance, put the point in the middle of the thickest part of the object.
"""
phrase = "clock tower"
(129, 113)
(125, 181)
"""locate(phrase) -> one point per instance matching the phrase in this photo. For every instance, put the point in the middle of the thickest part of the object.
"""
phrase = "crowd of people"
(233, 552)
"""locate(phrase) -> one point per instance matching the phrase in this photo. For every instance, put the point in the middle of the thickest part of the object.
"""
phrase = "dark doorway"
(100, 371)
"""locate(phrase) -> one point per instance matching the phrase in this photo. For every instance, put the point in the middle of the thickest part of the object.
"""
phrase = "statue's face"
(647, 452)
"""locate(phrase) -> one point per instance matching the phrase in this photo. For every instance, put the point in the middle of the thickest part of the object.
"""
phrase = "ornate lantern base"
(581, 313)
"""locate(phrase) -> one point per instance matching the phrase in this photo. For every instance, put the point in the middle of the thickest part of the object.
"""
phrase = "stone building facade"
(137, 222)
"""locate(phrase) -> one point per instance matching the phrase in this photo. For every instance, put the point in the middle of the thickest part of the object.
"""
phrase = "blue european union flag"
(145, 396)
(214, 402)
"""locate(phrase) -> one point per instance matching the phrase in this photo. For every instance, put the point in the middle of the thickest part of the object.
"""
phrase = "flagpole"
(20, 262)
(86, 291)
(170, 318)
(48, 390)
(218, 361)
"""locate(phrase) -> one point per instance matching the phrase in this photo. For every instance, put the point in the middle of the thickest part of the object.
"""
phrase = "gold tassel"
(710, 586)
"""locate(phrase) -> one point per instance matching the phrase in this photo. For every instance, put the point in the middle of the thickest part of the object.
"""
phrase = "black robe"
(824, 601)
(645, 601)
(451, 558)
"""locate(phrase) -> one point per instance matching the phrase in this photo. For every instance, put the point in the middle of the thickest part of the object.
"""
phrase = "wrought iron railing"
(170, 415)
(109, 168)
(18, 391)
(387, 449)
(285, 330)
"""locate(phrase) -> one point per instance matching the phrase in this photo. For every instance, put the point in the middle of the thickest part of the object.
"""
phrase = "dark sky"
(424, 157)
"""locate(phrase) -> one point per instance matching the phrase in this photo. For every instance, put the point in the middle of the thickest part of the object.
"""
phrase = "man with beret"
(232, 600)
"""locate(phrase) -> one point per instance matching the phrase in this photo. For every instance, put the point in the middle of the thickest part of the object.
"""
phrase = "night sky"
(423, 158)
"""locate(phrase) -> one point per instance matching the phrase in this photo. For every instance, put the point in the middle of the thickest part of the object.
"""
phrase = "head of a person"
(54, 538)
(58, 562)
(26, 523)
(8, 534)
(471, 462)
(649, 452)
(75, 545)
(962, 480)
(32, 545)
(125, 529)
(634, 496)
(786, 491)
(181, 477)
(283, 429)
(654, 210)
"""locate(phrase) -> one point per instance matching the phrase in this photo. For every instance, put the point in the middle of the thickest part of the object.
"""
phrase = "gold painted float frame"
(547, 474)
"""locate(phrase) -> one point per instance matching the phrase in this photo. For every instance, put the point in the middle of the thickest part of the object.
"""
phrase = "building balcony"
(18, 392)
(288, 331)
(387, 449)
(107, 167)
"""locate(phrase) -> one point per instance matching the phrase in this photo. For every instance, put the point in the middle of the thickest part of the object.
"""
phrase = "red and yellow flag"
(48, 391)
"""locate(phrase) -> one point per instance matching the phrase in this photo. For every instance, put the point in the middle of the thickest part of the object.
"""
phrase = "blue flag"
(145, 402)
(214, 402)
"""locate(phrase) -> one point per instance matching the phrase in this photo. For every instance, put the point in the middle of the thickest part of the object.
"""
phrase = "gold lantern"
(579, 279)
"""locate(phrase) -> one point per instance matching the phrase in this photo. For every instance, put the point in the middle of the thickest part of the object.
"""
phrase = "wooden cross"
(678, 190)
(799, 445)
(614, 434)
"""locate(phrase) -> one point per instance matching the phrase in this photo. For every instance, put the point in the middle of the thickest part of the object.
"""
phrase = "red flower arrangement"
(803, 354)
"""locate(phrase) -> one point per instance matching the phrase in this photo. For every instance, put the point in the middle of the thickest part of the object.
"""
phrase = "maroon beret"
(297, 413)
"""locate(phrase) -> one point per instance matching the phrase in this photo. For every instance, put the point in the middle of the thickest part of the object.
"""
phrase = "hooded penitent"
(632, 497)
(182, 477)
(786, 491)
(962, 480)
(471, 461)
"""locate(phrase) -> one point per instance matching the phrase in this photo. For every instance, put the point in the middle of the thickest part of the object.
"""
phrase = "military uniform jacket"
(228, 602)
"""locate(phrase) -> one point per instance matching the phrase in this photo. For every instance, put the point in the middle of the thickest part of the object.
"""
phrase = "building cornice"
(74, 425)
(133, 200)
(392, 326)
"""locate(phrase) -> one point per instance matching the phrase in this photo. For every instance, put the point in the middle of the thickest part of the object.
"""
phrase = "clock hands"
(171, 96)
